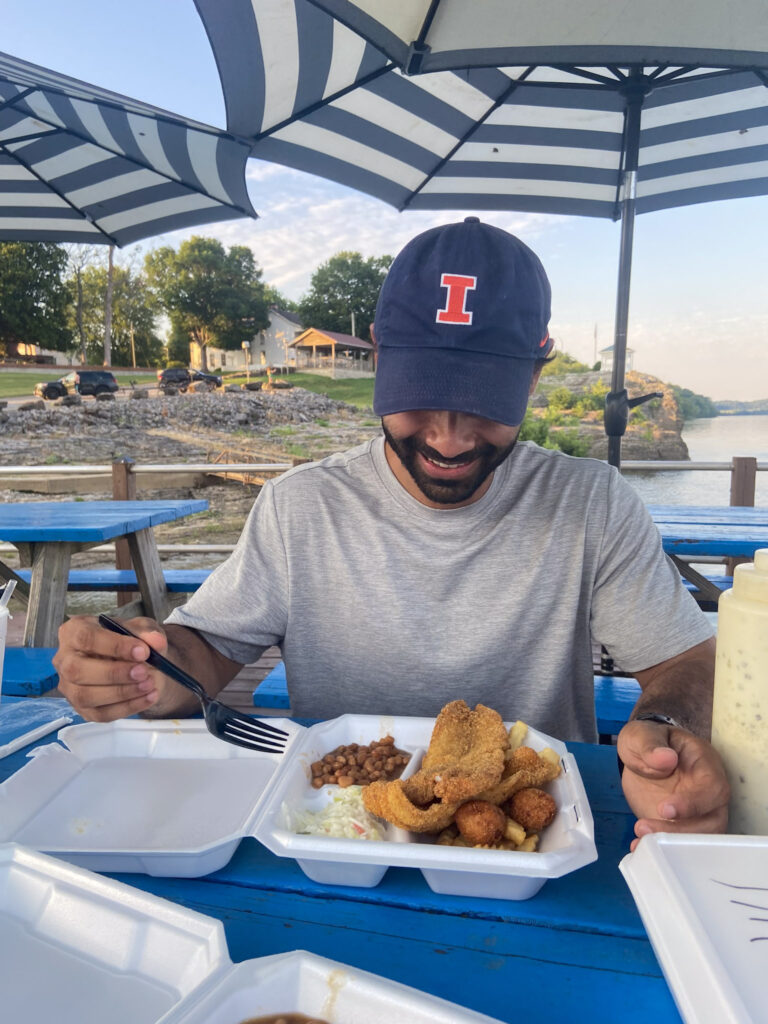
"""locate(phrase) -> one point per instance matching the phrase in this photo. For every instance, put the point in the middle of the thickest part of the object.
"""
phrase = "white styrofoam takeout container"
(167, 798)
(568, 843)
(704, 903)
(157, 797)
(78, 947)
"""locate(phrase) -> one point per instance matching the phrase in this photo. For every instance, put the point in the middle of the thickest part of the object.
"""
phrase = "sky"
(698, 312)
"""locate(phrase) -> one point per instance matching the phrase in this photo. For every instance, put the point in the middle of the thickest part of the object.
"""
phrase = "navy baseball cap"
(461, 321)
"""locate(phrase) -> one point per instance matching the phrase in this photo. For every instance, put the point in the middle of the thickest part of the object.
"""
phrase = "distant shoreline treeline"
(734, 408)
(744, 412)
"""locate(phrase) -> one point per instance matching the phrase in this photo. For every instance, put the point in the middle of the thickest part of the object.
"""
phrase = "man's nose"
(450, 433)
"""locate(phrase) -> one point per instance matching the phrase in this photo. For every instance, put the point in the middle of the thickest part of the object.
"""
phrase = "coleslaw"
(345, 817)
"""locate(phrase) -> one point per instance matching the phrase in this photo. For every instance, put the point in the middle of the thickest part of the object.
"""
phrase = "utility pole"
(108, 309)
(352, 318)
(247, 353)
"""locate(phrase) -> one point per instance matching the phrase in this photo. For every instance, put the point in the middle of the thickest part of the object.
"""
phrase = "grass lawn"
(15, 384)
(352, 390)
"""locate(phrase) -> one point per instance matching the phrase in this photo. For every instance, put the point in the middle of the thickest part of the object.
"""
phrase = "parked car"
(180, 378)
(80, 382)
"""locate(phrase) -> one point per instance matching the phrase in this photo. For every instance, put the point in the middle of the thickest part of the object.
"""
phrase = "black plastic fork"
(224, 722)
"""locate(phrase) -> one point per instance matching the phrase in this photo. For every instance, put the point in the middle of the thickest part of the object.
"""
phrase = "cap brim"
(494, 387)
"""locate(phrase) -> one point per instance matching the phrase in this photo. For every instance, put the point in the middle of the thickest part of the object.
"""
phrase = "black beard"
(447, 492)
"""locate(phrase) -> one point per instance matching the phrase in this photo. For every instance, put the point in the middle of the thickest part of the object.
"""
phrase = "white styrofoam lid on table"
(301, 982)
(704, 903)
(77, 947)
(163, 797)
(567, 844)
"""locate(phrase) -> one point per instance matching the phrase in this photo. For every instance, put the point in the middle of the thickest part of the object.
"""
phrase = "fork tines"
(255, 735)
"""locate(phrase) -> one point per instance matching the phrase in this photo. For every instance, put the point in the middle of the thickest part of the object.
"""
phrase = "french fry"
(517, 734)
(514, 832)
(530, 844)
(550, 755)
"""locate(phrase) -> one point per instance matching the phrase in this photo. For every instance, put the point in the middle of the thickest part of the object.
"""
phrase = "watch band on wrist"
(652, 716)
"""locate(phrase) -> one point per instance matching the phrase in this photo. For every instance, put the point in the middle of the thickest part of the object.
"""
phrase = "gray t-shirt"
(382, 605)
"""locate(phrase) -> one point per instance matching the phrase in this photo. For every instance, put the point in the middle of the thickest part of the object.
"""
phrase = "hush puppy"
(481, 823)
(532, 808)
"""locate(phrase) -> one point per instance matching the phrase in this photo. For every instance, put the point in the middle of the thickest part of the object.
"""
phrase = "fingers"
(714, 821)
(645, 748)
(104, 675)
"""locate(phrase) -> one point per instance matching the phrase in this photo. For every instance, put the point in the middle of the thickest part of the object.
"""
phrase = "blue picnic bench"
(28, 671)
(177, 581)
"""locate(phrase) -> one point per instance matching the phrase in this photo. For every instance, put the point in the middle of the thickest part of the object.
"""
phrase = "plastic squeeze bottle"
(740, 709)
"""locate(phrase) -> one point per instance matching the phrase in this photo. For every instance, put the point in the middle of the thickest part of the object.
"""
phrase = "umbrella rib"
(426, 25)
(460, 142)
(326, 101)
(144, 164)
(52, 188)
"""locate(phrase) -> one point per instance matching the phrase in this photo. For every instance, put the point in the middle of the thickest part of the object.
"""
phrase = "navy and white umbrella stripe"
(78, 163)
(545, 139)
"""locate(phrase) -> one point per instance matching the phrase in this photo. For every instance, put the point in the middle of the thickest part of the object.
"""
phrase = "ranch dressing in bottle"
(740, 708)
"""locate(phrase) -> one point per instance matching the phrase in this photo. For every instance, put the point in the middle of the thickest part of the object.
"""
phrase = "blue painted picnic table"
(726, 531)
(576, 951)
(48, 533)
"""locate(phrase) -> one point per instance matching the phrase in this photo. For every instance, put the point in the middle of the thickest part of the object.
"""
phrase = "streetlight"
(247, 352)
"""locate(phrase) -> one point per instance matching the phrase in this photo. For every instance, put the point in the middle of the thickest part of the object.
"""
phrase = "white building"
(606, 359)
(269, 347)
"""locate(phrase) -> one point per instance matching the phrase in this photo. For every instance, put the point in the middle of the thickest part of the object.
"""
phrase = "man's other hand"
(673, 780)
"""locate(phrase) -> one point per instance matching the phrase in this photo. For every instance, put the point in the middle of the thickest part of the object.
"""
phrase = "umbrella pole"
(616, 405)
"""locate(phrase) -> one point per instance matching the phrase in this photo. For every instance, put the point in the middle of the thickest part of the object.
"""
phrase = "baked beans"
(356, 764)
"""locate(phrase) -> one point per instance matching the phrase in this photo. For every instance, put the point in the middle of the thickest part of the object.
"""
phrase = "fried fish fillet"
(387, 800)
(466, 751)
(523, 775)
(465, 756)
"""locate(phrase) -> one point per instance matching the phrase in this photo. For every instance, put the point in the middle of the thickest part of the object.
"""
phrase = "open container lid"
(157, 797)
(704, 903)
(79, 947)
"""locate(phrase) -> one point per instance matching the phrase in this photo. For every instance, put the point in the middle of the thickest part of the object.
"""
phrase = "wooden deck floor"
(239, 693)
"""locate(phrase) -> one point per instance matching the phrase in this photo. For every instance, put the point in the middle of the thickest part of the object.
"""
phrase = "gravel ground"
(193, 427)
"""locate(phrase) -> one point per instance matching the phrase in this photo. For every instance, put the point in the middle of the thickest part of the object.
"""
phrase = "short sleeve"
(641, 611)
(242, 607)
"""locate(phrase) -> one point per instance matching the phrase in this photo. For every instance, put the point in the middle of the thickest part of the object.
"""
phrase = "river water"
(709, 440)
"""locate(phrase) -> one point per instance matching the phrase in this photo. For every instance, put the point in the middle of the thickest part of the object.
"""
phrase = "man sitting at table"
(445, 561)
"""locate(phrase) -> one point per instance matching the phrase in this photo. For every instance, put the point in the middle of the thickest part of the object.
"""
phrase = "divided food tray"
(104, 951)
(126, 797)
(704, 903)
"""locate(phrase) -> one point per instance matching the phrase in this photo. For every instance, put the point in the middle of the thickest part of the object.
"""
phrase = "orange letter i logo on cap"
(455, 310)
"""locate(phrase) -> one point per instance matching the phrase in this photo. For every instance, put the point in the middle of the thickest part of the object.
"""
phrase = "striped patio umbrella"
(584, 107)
(80, 164)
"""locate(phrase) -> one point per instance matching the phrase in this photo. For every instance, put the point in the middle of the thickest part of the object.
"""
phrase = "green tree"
(134, 310)
(344, 289)
(276, 298)
(213, 295)
(563, 363)
(560, 398)
(693, 406)
(33, 296)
